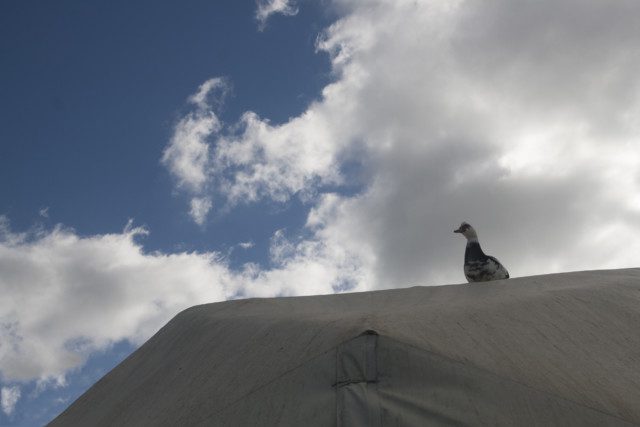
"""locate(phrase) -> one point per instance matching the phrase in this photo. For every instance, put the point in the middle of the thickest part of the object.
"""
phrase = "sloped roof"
(560, 349)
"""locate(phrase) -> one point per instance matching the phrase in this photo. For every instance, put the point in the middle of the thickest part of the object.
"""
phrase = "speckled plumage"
(479, 267)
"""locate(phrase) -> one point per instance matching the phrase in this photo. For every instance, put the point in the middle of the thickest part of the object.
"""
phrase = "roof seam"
(288, 371)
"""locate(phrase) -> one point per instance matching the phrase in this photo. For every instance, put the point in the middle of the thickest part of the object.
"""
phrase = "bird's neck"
(473, 250)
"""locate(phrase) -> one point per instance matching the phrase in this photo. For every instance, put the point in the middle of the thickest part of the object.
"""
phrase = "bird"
(479, 267)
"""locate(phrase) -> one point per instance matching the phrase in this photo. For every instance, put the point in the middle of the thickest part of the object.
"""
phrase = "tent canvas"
(561, 349)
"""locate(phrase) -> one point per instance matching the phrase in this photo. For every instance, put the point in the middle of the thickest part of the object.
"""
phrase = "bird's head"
(467, 231)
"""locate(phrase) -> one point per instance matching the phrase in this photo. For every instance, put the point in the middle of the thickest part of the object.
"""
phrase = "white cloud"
(246, 245)
(266, 8)
(9, 397)
(200, 207)
(514, 117)
(254, 159)
(265, 161)
(187, 155)
(211, 92)
(65, 296)
(520, 118)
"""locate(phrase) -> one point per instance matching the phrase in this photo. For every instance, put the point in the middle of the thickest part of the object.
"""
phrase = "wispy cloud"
(266, 8)
(187, 155)
(200, 207)
(9, 397)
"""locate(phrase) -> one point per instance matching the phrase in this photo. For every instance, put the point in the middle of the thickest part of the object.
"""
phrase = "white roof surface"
(560, 349)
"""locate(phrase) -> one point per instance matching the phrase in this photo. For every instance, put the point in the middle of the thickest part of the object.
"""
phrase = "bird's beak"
(458, 230)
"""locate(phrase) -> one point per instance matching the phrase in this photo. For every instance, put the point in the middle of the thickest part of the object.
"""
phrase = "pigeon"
(479, 267)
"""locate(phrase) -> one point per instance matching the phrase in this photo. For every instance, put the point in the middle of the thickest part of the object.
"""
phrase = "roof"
(561, 349)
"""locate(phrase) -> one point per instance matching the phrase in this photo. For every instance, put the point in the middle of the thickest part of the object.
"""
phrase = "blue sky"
(90, 95)
(158, 155)
(92, 89)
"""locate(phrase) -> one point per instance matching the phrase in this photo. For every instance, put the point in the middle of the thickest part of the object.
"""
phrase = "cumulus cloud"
(252, 159)
(516, 117)
(9, 397)
(521, 118)
(66, 296)
(266, 8)
(113, 289)
(274, 162)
